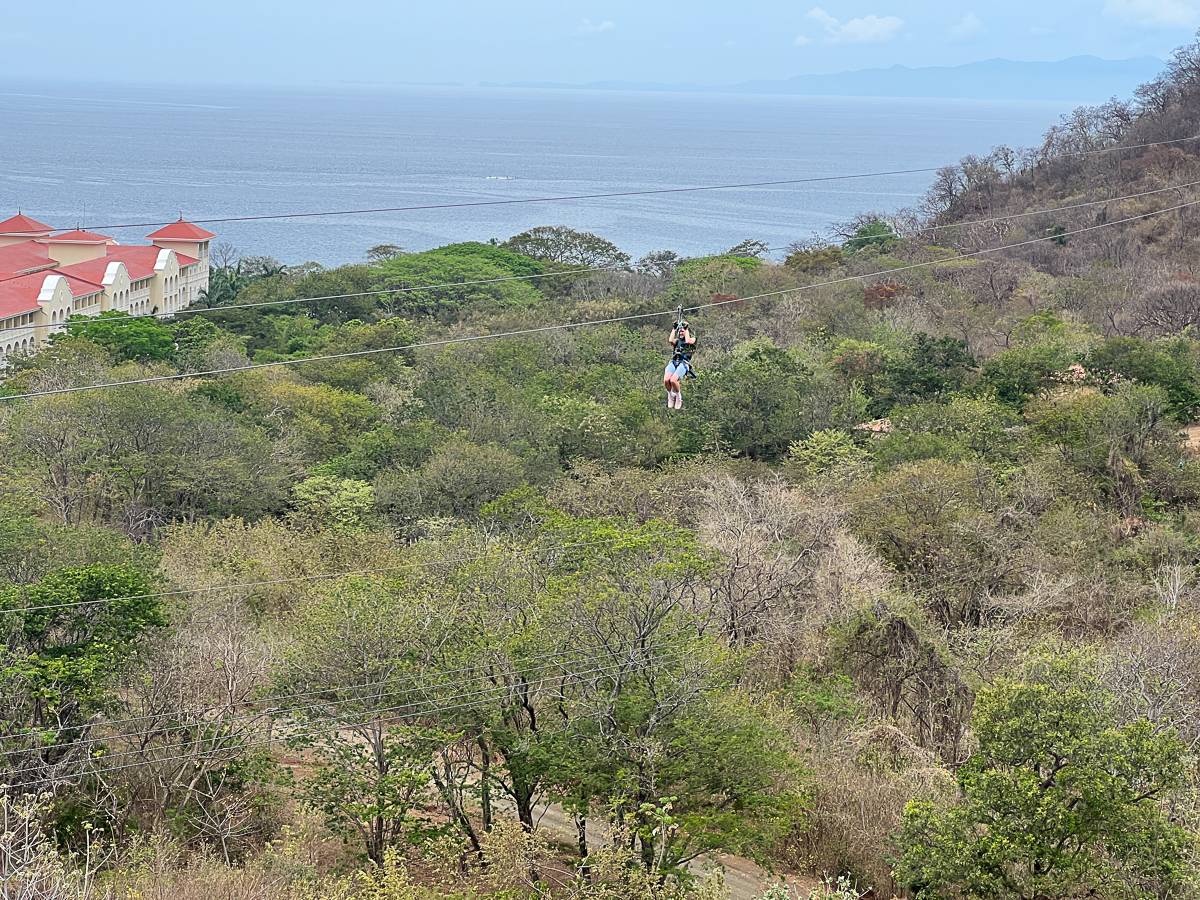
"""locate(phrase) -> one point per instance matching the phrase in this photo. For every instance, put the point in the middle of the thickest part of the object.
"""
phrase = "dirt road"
(745, 879)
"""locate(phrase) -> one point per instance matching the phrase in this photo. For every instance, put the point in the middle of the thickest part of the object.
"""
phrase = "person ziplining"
(682, 342)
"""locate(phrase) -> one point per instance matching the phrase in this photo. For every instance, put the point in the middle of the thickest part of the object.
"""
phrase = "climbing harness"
(683, 352)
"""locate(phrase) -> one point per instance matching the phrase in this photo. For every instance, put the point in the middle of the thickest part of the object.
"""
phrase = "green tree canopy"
(126, 337)
(64, 641)
(513, 263)
(873, 234)
(560, 244)
(1169, 364)
(1059, 801)
(443, 284)
(1016, 376)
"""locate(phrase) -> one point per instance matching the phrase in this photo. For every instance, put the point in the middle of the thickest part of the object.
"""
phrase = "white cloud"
(801, 40)
(969, 25)
(871, 28)
(868, 29)
(1153, 13)
(823, 17)
(588, 28)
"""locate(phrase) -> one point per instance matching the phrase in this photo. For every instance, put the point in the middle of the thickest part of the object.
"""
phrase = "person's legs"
(680, 370)
(671, 383)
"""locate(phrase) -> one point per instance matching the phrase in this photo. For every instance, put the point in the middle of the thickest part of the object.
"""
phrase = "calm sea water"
(108, 156)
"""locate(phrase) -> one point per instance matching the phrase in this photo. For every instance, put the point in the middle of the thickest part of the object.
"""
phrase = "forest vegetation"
(347, 578)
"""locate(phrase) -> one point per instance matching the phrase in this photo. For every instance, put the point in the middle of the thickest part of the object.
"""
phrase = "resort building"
(47, 276)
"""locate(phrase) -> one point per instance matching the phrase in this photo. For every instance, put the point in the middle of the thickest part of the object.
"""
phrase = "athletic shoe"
(679, 399)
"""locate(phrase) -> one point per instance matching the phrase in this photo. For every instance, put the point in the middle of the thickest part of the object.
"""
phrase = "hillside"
(330, 587)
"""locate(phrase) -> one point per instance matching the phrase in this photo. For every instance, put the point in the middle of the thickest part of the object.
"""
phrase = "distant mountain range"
(1080, 79)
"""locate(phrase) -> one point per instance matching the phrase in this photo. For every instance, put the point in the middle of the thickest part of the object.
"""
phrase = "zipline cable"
(615, 319)
(411, 710)
(549, 662)
(199, 310)
(293, 580)
(827, 507)
(566, 273)
(556, 663)
(602, 196)
(517, 201)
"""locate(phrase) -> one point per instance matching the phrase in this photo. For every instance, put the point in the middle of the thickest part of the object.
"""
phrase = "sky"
(310, 42)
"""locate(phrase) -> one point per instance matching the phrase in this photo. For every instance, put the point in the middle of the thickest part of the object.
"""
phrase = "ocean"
(104, 157)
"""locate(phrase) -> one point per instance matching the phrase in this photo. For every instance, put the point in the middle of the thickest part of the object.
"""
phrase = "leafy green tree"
(255, 268)
(823, 701)
(1044, 329)
(65, 640)
(660, 263)
(337, 504)
(356, 373)
(566, 246)
(356, 658)
(699, 280)
(1119, 440)
(749, 402)
(585, 428)
(126, 337)
(337, 295)
(660, 732)
(1169, 364)
(962, 429)
(876, 234)
(1059, 801)
(823, 451)
(383, 252)
(1016, 376)
(142, 456)
(320, 420)
(444, 284)
(456, 480)
(193, 336)
(224, 285)
(514, 263)
(749, 248)
(814, 260)
(931, 369)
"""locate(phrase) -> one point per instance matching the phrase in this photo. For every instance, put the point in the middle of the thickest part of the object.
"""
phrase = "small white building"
(47, 277)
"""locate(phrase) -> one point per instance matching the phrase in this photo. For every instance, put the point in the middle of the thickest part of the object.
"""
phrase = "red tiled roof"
(139, 260)
(78, 237)
(25, 266)
(89, 270)
(20, 294)
(20, 224)
(81, 287)
(181, 231)
(17, 258)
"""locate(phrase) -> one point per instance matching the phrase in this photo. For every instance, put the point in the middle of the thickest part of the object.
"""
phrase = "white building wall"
(17, 335)
(170, 289)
